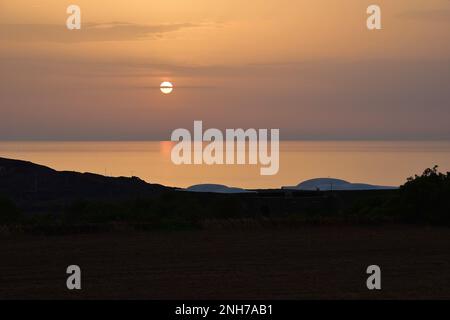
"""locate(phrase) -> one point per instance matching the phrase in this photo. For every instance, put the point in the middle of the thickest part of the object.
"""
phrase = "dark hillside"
(32, 185)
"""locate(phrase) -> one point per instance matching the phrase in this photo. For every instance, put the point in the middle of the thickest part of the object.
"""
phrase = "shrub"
(427, 197)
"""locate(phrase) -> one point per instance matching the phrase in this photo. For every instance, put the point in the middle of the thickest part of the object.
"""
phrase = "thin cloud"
(175, 87)
(429, 15)
(90, 32)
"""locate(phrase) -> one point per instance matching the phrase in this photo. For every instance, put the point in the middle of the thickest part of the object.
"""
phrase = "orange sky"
(310, 68)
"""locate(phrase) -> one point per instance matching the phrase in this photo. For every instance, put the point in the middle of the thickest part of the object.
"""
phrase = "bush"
(427, 197)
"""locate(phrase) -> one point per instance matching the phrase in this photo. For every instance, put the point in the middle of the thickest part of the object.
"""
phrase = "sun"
(166, 87)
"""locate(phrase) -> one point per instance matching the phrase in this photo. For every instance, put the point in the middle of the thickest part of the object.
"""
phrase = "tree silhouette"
(427, 197)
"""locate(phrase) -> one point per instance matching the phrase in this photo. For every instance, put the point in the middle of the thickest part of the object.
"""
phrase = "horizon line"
(281, 140)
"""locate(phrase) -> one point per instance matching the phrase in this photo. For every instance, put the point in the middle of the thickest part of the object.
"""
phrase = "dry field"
(310, 262)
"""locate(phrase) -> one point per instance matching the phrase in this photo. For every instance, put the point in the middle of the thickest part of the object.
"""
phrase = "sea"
(386, 163)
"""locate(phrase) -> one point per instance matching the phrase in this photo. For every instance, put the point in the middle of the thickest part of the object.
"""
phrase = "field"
(302, 262)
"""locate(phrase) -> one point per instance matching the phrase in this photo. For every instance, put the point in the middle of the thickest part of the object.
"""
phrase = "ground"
(306, 262)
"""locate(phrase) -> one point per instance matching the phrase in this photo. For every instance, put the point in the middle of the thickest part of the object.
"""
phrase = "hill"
(30, 184)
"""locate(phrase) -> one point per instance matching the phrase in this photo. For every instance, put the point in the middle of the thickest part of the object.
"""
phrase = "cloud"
(90, 32)
(322, 99)
(176, 87)
(429, 15)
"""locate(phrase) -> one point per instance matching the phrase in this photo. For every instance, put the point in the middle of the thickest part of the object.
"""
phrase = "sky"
(308, 67)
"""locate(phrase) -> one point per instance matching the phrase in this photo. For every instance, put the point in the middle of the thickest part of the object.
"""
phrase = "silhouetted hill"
(28, 183)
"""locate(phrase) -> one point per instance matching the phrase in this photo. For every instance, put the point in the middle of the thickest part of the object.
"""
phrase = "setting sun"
(166, 87)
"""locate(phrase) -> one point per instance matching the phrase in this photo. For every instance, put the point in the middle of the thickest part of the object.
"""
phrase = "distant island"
(319, 184)
(328, 184)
